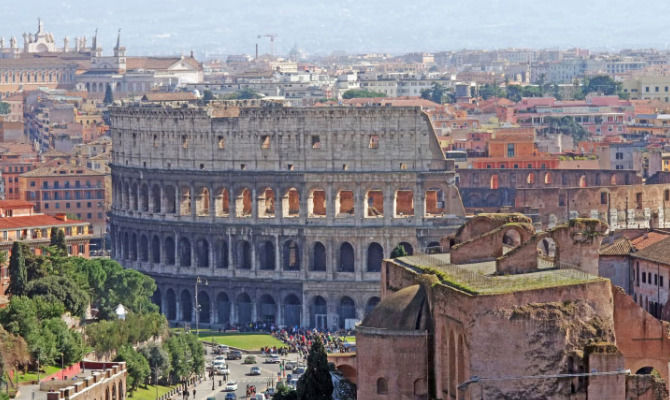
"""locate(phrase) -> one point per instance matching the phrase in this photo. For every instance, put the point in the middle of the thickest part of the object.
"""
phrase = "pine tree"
(109, 97)
(316, 383)
(58, 239)
(18, 274)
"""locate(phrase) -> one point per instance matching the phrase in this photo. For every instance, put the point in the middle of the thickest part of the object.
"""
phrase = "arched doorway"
(371, 304)
(244, 308)
(319, 257)
(546, 253)
(291, 256)
(408, 248)
(268, 309)
(169, 251)
(266, 255)
(223, 309)
(157, 300)
(347, 310)
(244, 255)
(221, 254)
(186, 306)
(205, 308)
(346, 258)
(319, 318)
(202, 253)
(184, 252)
(171, 300)
(375, 257)
(292, 311)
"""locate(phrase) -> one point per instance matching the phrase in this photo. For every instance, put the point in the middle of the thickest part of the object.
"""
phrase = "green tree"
(137, 365)
(244, 94)
(437, 93)
(109, 97)
(56, 288)
(207, 95)
(285, 393)
(361, 93)
(58, 239)
(18, 275)
(601, 84)
(316, 383)
(399, 251)
(159, 361)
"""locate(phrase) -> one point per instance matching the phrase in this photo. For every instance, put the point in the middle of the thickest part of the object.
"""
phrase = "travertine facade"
(286, 212)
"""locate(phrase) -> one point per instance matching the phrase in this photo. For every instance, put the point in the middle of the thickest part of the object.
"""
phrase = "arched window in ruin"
(133, 247)
(582, 181)
(347, 310)
(205, 307)
(244, 308)
(344, 203)
(266, 203)
(292, 311)
(169, 251)
(266, 255)
(434, 199)
(170, 200)
(404, 203)
(144, 248)
(530, 179)
(221, 254)
(202, 253)
(316, 206)
(223, 308)
(126, 196)
(184, 252)
(222, 205)
(267, 309)
(382, 386)
(409, 249)
(346, 258)
(171, 300)
(547, 178)
(155, 250)
(243, 255)
(494, 181)
(546, 253)
(319, 317)
(202, 202)
(144, 198)
(318, 257)
(291, 256)
(291, 204)
(511, 239)
(133, 197)
(374, 204)
(375, 257)
(156, 199)
(243, 203)
(186, 306)
(185, 201)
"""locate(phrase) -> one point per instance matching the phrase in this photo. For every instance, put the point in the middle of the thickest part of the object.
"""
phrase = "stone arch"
(169, 251)
(547, 251)
(319, 313)
(126, 246)
(582, 181)
(144, 248)
(346, 310)
(157, 299)
(403, 203)
(266, 203)
(512, 238)
(434, 202)
(170, 200)
(494, 184)
(318, 257)
(202, 202)
(243, 255)
(613, 180)
(374, 204)
(133, 197)
(243, 203)
(244, 308)
(156, 199)
(144, 198)
(184, 252)
(344, 203)
(375, 257)
(420, 389)
(171, 300)
(382, 386)
(155, 250)
(223, 308)
(346, 258)
(371, 304)
(202, 253)
(292, 311)
(547, 178)
(186, 306)
(409, 249)
(266, 255)
(221, 253)
(267, 310)
(530, 179)
(291, 255)
(133, 247)
(185, 200)
(204, 308)
(222, 203)
(316, 206)
(291, 203)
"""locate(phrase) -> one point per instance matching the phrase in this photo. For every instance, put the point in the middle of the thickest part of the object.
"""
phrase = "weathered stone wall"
(534, 178)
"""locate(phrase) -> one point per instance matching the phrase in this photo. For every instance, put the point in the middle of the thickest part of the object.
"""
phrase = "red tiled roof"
(658, 252)
(15, 204)
(648, 239)
(34, 221)
(621, 247)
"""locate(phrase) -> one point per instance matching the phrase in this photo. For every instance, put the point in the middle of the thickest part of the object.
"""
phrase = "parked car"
(231, 386)
(234, 355)
(220, 358)
(273, 359)
(221, 349)
(222, 369)
(290, 365)
(299, 371)
(255, 371)
(250, 360)
(231, 396)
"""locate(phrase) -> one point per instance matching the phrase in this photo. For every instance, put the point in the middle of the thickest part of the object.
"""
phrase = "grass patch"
(31, 376)
(149, 393)
(245, 341)
(350, 339)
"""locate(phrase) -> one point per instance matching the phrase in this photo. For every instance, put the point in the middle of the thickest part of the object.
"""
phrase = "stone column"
(212, 203)
(278, 252)
(178, 311)
(177, 199)
(254, 315)
(177, 259)
(194, 263)
(212, 254)
(389, 204)
(193, 202)
(163, 200)
(359, 204)
(330, 204)
(231, 249)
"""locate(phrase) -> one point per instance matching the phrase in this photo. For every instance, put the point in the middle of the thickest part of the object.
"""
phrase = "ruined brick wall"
(524, 178)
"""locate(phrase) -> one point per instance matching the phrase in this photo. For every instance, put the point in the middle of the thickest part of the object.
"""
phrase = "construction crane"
(272, 37)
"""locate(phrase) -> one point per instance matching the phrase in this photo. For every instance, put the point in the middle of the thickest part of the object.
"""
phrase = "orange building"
(514, 148)
(16, 159)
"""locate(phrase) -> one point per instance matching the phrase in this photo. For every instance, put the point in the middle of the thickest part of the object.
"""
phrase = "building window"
(222, 143)
(510, 150)
(184, 142)
(644, 277)
(561, 200)
(660, 281)
(265, 142)
(655, 279)
(603, 197)
(374, 142)
(382, 386)
(316, 142)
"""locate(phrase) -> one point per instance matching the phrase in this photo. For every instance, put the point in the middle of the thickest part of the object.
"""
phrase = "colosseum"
(271, 213)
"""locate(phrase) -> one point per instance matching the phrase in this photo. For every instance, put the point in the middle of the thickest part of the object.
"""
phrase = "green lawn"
(350, 339)
(245, 341)
(32, 375)
(149, 393)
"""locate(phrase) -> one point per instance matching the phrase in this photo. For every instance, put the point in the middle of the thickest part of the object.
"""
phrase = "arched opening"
(170, 200)
(114, 392)
(222, 203)
(291, 256)
(346, 258)
(375, 257)
(171, 300)
(185, 201)
(223, 309)
(319, 257)
(186, 306)
(243, 255)
(434, 203)
(133, 247)
(409, 249)
(202, 202)
(144, 198)
(126, 196)
(547, 178)
(221, 254)
(582, 181)
(155, 250)
(382, 386)
(511, 239)
(268, 309)
(202, 253)
(371, 304)
(244, 308)
(530, 179)
(243, 204)
(122, 394)
(266, 204)
(494, 182)
(156, 298)
(344, 203)
(156, 199)
(204, 307)
(374, 204)
(169, 251)
(126, 246)
(144, 248)
(347, 311)
(420, 389)
(184, 252)
(546, 253)
(647, 371)
(319, 318)
(316, 206)
(404, 203)
(266, 256)
(291, 204)
(292, 311)
(133, 197)
(613, 180)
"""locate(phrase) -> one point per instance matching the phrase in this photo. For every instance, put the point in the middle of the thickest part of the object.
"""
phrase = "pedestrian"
(193, 393)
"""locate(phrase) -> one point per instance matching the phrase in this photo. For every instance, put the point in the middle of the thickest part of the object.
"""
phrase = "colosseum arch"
(494, 184)
(133, 197)
(170, 199)
(243, 203)
(157, 298)
(318, 257)
(374, 257)
(319, 313)
(266, 203)
(186, 306)
(202, 202)
(125, 244)
(582, 181)
(205, 308)
(344, 203)
(434, 202)
(346, 259)
(243, 255)
(126, 196)
(530, 179)
(222, 203)
(409, 249)
(403, 204)
(202, 253)
(292, 311)
(156, 199)
(316, 206)
(244, 308)
(267, 310)
(185, 200)
(371, 304)
(144, 198)
(144, 248)
(171, 303)
(184, 252)
(374, 204)
(291, 203)
(266, 255)
(547, 178)
(221, 249)
(133, 247)
(155, 250)
(223, 308)
(291, 253)
(169, 251)
(347, 310)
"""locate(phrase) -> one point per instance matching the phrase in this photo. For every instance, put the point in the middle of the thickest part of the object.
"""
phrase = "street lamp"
(198, 281)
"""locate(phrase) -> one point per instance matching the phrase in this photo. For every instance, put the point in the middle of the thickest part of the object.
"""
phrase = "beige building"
(649, 86)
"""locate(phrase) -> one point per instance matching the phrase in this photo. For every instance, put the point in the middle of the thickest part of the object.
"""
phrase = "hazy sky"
(321, 27)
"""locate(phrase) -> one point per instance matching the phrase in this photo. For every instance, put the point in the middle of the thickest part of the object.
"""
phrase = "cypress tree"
(316, 383)
(18, 274)
(58, 239)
